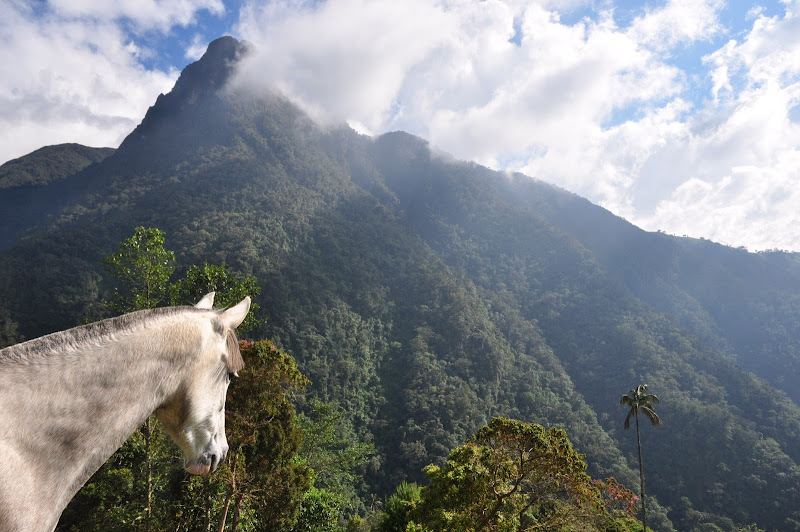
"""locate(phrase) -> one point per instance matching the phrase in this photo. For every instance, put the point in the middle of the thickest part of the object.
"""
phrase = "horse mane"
(97, 332)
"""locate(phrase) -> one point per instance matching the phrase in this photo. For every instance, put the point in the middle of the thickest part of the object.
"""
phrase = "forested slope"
(49, 164)
(426, 295)
(26, 197)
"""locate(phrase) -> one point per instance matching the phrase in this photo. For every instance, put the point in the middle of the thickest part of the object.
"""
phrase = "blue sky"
(679, 115)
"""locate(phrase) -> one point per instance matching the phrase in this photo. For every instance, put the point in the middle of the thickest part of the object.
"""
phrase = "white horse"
(68, 400)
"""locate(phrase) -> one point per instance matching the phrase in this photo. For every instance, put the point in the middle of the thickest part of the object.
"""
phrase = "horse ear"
(235, 315)
(207, 302)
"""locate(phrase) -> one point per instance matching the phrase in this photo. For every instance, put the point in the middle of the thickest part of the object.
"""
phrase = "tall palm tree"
(639, 400)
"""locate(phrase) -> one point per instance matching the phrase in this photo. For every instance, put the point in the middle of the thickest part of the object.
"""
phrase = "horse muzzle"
(205, 463)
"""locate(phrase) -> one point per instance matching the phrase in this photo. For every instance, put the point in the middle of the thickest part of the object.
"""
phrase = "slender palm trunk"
(641, 476)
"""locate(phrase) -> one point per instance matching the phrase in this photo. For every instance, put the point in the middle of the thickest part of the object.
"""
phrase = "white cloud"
(145, 15)
(197, 48)
(678, 22)
(567, 81)
(344, 59)
(448, 71)
(739, 173)
(752, 204)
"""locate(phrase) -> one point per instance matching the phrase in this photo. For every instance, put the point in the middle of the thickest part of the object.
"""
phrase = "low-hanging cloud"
(602, 108)
(342, 59)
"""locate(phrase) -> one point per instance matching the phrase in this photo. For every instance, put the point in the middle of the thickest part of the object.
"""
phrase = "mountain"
(24, 184)
(425, 295)
(49, 164)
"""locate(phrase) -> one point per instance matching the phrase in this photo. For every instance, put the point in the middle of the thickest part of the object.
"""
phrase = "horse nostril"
(214, 462)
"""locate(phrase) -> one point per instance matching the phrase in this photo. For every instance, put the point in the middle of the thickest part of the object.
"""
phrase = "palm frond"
(631, 412)
(648, 411)
(651, 398)
(626, 400)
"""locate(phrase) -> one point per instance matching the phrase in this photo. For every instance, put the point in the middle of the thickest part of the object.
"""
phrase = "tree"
(263, 473)
(143, 267)
(229, 288)
(123, 492)
(261, 484)
(9, 330)
(512, 476)
(333, 453)
(319, 512)
(637, 400)
(397, 510)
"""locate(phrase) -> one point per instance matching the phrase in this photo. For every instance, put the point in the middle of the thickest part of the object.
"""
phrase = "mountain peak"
(212, 71)
(198, 82)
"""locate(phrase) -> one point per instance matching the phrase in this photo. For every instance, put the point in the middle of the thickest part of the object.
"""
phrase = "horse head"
(195, 416)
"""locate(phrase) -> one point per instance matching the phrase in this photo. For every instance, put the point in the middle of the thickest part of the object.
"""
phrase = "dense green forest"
(424, 297)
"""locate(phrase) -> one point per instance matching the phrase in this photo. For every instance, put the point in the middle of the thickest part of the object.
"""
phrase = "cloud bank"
(663, 115)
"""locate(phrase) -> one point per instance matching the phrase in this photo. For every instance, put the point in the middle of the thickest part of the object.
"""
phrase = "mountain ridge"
(49, 163)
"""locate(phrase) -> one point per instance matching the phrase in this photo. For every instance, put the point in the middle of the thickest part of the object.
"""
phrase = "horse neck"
(72, 410)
